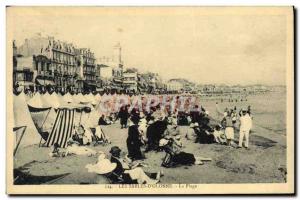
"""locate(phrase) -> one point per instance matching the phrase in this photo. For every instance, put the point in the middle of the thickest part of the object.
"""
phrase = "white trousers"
(244, 133)
(139, 175)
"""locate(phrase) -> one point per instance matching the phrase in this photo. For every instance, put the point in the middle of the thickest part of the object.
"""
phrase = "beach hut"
(58, 98)
(37, 102)
(91, 99)
(50, 100)
(54, 127)
(26, 133)
(97, 97)
(62, 128)
(68, 98)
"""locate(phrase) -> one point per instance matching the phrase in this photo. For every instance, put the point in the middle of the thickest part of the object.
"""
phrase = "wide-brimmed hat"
(114, 150)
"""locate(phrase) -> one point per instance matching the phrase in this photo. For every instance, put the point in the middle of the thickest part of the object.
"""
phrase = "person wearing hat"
(143, 129)
(133, 141)
(124, 169)
(123, 115)
(219, 135)
(175, 156)
(155, 132)
(229, 129)
(204, 131)
(171, 129)
(245, 127)
(102, 121)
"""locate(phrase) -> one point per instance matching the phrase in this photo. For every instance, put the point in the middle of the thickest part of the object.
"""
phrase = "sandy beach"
(229, 165)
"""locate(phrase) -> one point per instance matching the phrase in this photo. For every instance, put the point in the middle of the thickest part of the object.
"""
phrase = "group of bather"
(157, 129)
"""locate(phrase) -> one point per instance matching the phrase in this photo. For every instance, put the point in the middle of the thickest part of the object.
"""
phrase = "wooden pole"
(23, 132)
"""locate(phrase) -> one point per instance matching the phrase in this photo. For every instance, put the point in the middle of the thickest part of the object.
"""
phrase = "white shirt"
(246, 122)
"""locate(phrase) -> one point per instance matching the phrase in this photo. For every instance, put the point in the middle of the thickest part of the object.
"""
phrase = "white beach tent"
(97, 97)
(37, 102)
(83, 99)
(91, 119)
(76, 98)
(92, 99)
(68, 98)
(58, 98)
(23, 120)
(50, 100)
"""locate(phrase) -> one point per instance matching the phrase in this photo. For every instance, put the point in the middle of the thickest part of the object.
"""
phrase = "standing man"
(123, 115)
(245, 127)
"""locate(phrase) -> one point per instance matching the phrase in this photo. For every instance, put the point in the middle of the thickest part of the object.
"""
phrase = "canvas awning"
(44, 82)
(25, 83)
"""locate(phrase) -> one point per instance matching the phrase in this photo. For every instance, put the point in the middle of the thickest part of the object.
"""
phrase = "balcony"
(88, 72)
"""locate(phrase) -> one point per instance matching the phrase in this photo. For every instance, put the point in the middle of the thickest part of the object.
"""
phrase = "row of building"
(44, 63)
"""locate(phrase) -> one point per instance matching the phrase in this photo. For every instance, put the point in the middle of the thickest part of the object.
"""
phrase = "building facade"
(174, 86)
(60, 65)
(22, 70)
(87, 79)
(130, 81)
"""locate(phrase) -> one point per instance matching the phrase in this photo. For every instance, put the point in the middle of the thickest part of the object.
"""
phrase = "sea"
(268, 110)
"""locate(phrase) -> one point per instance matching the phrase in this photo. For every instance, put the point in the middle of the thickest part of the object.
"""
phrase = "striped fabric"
(62, 128)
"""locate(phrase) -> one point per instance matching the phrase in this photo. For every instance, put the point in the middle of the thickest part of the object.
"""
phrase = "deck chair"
(120, 179)
(99, 140)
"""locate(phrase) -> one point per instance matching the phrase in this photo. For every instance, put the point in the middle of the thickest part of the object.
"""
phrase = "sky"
(207, 48)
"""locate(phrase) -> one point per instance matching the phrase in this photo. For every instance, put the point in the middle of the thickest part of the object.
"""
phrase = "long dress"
(134, 143)
(123, 115)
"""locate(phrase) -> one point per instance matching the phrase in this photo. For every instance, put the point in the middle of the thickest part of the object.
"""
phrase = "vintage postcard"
(150, 100)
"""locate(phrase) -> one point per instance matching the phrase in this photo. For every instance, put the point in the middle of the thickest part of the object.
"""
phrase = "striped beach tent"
(63, 128)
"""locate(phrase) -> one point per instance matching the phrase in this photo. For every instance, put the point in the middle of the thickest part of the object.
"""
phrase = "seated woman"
(125, 169)
(204, 135)
(175, 156)
(190, 133)
(82, 136)
(103, 121)
(219, 135)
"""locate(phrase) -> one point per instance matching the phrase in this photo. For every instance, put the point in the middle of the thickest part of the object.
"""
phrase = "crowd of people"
(157, 129)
